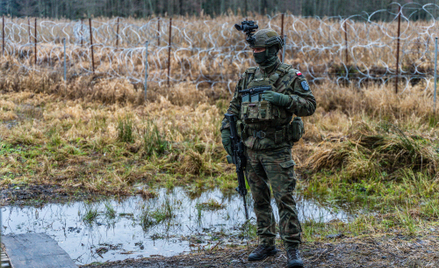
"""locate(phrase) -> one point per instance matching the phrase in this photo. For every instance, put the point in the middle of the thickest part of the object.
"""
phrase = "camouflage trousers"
(274, 167)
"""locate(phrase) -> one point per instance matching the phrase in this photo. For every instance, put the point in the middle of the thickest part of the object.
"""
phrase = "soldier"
(268, 131)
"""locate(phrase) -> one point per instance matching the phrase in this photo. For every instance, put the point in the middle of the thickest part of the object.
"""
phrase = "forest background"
(77, 9)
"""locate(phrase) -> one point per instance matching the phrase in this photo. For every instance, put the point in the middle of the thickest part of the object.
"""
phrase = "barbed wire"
(358, 49)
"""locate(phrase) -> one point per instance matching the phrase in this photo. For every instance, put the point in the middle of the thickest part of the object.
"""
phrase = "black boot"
(262, 252)
(294, 260)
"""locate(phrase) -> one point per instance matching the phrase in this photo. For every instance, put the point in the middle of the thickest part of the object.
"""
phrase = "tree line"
(77, 9)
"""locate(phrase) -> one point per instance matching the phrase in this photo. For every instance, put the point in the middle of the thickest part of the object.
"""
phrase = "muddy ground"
(385, 251)
(17, 194)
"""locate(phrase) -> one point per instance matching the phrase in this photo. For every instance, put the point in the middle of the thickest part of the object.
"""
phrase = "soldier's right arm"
(235, 104)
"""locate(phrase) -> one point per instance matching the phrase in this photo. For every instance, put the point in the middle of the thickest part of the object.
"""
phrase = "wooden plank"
(36, 251)
(5, 261)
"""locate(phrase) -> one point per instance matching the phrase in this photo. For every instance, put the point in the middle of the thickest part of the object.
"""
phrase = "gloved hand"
(227, 142)
(278, 99)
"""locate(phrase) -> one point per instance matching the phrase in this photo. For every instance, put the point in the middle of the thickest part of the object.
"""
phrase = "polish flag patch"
(298, 73)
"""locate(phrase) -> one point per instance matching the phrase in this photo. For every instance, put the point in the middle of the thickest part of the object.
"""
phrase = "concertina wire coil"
(212, 52)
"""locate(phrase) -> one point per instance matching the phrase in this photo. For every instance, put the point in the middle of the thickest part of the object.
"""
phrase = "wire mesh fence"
(359, 49)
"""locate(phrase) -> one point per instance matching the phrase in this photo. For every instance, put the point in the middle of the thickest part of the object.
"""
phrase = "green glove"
(227, 142)
(278, 99)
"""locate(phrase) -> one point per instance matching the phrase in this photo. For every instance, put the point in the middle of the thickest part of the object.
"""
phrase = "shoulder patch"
(298, 73)
(304, 85)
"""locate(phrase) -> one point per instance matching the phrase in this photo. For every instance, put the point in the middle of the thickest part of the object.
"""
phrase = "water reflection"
(177, 222)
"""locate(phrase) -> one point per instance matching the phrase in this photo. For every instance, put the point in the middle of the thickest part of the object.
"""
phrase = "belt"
(258, 134)
(277, 135)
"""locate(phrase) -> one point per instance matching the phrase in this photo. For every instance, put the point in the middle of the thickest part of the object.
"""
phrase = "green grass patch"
(150, 218)
(90, 215)
(154, 142)
(211, 204)
(125, 130)
(110, 212)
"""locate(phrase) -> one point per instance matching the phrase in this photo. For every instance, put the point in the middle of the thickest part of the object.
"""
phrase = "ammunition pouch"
(296, 129)
(255, 109)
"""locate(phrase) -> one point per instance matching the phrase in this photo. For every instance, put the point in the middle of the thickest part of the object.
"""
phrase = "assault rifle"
(238, 158)
(254, 90)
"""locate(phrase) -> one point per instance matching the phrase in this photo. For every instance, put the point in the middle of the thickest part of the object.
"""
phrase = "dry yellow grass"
(353, 149)
(75, 142)
(81, 125)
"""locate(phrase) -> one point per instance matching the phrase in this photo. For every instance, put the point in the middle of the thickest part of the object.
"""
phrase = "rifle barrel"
(245, 207)
(255, 90)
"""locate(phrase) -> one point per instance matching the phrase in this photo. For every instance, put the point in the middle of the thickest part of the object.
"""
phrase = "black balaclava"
(267, 58)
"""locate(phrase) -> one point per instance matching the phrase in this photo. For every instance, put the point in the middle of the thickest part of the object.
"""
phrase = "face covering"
(266, 58)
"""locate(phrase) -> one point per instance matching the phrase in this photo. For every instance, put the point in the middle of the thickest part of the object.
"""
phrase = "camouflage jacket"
(289, 81)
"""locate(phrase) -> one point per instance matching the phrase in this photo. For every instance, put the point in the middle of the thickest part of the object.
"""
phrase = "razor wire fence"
(358, 49)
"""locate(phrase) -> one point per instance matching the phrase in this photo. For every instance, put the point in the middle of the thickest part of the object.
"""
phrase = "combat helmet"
(267, 38)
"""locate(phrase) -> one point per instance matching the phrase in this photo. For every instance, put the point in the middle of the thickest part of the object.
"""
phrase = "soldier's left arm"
(303, 102)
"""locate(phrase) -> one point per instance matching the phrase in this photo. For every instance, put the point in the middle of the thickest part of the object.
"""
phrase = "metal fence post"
(435, 75)
(28, 29)
(158, 32)
(82, 32)
(35, 41)
(146, 68)
(346, 43)
(65, 63)
(284, 48)
(397, 51)
(117, 33)
(3, 35)
(282, 34)
(91, 47)
(169, 50)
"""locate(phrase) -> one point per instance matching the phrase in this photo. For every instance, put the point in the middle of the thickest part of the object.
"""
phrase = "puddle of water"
(115, 230)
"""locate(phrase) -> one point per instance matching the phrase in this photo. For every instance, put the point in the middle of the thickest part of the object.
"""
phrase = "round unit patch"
(304, 85)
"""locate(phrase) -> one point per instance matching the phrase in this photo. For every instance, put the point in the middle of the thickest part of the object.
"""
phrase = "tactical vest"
(260, 119)
(255, 111)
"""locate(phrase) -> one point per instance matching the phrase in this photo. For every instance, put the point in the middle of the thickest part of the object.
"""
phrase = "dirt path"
(386, 251)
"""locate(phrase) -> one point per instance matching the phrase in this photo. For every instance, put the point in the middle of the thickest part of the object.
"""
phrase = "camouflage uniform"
(269, 143)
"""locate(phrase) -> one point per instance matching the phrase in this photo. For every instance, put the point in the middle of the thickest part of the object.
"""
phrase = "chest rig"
(256, 112)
